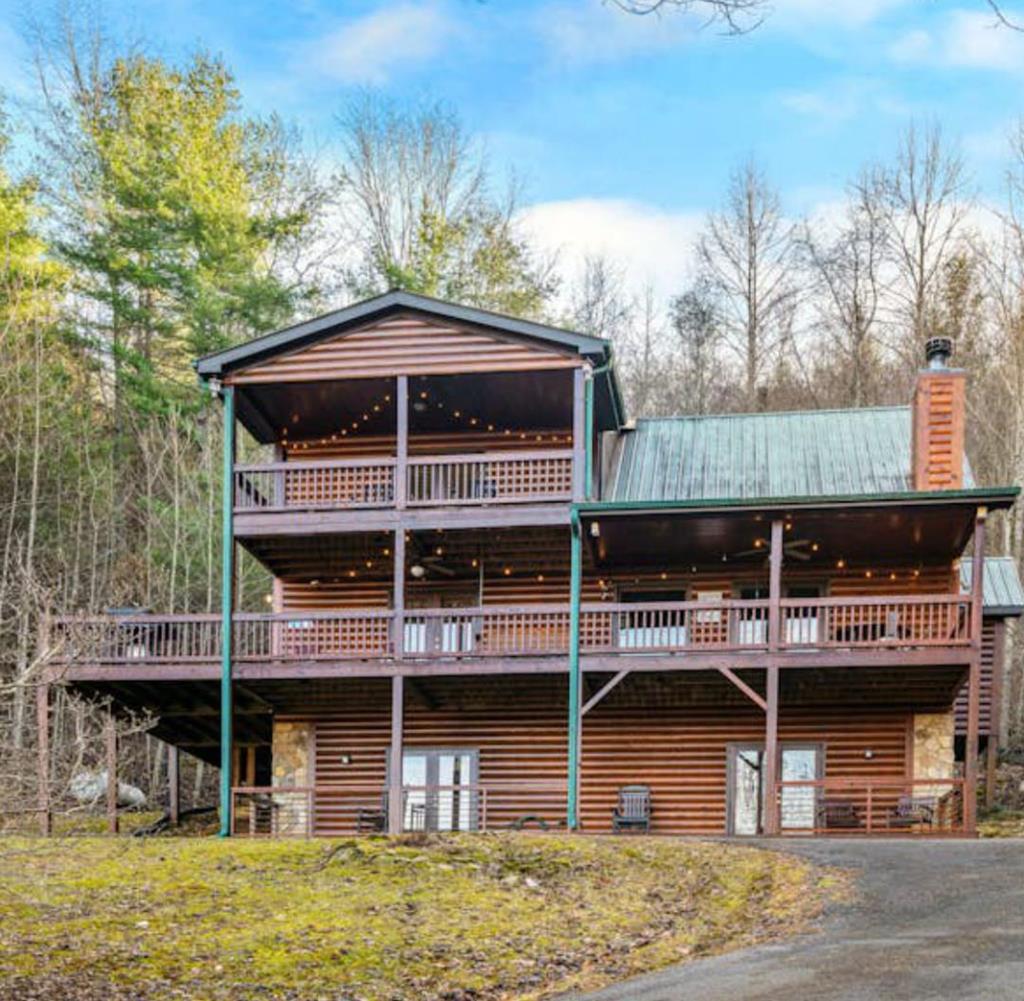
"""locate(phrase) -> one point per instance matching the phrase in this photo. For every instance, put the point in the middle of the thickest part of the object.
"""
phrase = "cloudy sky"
(624, 129)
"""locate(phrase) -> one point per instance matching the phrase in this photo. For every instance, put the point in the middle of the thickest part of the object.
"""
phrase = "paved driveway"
(933, 920)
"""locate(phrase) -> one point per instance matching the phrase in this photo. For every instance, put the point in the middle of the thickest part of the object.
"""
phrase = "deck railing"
(339, 484)
(731, 625)
(362, 808)
(871, 805)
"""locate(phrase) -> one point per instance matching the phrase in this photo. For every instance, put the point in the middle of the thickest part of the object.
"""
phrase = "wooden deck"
(910, 628)
(479, 478)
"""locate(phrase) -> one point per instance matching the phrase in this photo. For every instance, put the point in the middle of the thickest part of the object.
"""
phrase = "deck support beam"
(173, 785)
(580, 450)
(227, 596)
(974, 676)
(110, 733)
(575, 680)
(729, 674)
(603, 691)
(43, 756)
(771, 712)
(395, 804)
(401, 439)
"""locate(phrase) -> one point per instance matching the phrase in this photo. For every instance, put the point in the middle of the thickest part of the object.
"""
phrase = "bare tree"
(847, 269)
(599, 304)
(695, 321)
(736, 17)
(746, 258)
(925, 202)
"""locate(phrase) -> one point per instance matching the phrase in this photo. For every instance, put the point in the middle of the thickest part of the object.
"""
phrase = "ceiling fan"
(424, 563)
(797, 549)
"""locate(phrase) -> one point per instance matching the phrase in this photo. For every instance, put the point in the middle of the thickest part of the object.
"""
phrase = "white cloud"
(843, 99)
(654, 246)
(840, 13)
(368, 50)
(580, 33)
(967, 38)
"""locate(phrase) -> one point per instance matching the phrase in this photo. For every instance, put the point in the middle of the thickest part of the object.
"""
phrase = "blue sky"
(623, 129)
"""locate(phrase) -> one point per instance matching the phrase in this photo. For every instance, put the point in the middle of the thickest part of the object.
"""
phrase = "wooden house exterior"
(498, 603)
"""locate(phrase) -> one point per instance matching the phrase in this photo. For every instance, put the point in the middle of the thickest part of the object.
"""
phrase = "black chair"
(634, 810)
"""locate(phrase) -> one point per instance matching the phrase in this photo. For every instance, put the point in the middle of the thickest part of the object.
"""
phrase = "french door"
(440, 789)
(747, 796)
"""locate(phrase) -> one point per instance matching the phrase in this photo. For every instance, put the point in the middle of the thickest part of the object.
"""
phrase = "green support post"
(226, 608)
(575, 585)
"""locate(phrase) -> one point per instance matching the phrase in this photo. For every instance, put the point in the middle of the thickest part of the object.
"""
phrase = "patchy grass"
(1002, 824)
(457, 918)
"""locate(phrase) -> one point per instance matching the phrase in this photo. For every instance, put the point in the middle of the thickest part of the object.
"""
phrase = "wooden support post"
(173, 785)
(771, 751)
(396, 799)
(974, 676)
(401, 439)
(43, 756)
(580, 448)
(771, 715)
(991, 766)
(227, 598)
(110, 732)
(605, 690)
(398, 593)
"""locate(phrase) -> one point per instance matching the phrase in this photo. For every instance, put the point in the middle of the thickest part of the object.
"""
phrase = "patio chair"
(836, 814)
(372, 819)
(633, 812)
(912, 811)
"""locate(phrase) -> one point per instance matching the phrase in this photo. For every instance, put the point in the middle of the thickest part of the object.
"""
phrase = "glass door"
(746, 795)
(440, 789)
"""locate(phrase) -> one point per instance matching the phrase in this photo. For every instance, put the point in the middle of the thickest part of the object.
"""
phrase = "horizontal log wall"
(452, 443)
(679, 751)
(405, 345)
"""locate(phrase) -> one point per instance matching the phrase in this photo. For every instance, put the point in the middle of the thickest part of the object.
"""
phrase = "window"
(801, 626)
(647, 629)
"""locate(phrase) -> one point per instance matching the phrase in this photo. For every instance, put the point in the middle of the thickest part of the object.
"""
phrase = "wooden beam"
(974, 676)
(602, 692)
(173, 784)
(744, 687)
(110, 732)
(398, 594)
(771, 751)
(396, 804)
(43, 757)
(775, 586)
(579, 435)
(401, 439)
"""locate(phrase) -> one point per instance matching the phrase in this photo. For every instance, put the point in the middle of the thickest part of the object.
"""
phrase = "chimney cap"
(938, 351)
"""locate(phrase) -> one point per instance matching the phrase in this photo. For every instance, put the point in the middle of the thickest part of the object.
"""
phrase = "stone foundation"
(290, 750)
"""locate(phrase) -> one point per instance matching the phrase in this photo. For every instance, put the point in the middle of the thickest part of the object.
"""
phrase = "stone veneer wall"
(933, 750)
(290, 750)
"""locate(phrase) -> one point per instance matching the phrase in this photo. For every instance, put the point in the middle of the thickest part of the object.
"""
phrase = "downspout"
(226, 608)
(589, 423)
(575, 583)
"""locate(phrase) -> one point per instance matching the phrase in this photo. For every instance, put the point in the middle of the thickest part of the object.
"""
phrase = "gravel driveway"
(933, 920)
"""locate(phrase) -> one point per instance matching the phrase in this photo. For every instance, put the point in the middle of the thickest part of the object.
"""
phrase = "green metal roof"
(817, 453)
(1003, 593)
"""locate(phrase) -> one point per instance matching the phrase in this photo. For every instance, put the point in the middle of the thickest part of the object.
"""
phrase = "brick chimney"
(938, 421)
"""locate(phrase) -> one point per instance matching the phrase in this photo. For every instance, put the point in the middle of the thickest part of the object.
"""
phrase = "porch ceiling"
(506, 400)
(858, 536)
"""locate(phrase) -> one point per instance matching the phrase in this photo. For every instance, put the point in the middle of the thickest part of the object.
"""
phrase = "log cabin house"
(498, 602)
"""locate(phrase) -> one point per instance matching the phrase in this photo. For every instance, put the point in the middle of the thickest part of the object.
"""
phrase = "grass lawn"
(457, 918)
(1002, 824)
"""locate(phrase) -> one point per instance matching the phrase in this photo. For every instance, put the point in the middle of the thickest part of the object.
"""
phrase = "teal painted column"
(575, 720)
(226, 607)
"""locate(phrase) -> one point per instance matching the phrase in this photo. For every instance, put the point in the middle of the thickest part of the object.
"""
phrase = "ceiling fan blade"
(437, 567)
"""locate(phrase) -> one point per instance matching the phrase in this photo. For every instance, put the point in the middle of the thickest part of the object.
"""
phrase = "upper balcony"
(477, 479)
(824, 631)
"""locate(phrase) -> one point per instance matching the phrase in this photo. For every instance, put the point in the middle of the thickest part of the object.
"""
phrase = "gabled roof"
(260, 349)
(819, 453)
(1003, 594)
